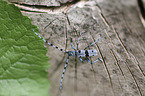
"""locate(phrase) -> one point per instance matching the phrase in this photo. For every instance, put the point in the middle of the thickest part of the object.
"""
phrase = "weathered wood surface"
(122, 48)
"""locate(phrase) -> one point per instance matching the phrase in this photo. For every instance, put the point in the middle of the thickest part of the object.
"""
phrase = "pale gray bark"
(122, 47)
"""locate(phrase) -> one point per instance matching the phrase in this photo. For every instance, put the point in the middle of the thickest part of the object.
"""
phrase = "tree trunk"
(122, 47)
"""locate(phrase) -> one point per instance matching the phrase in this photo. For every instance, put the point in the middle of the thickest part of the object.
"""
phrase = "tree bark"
(122, 48)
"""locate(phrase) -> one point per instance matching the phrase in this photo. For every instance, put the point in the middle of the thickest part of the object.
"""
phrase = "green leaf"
(23, 60)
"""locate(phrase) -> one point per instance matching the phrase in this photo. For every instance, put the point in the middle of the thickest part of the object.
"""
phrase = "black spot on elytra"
(79, 51)
(86, 53)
